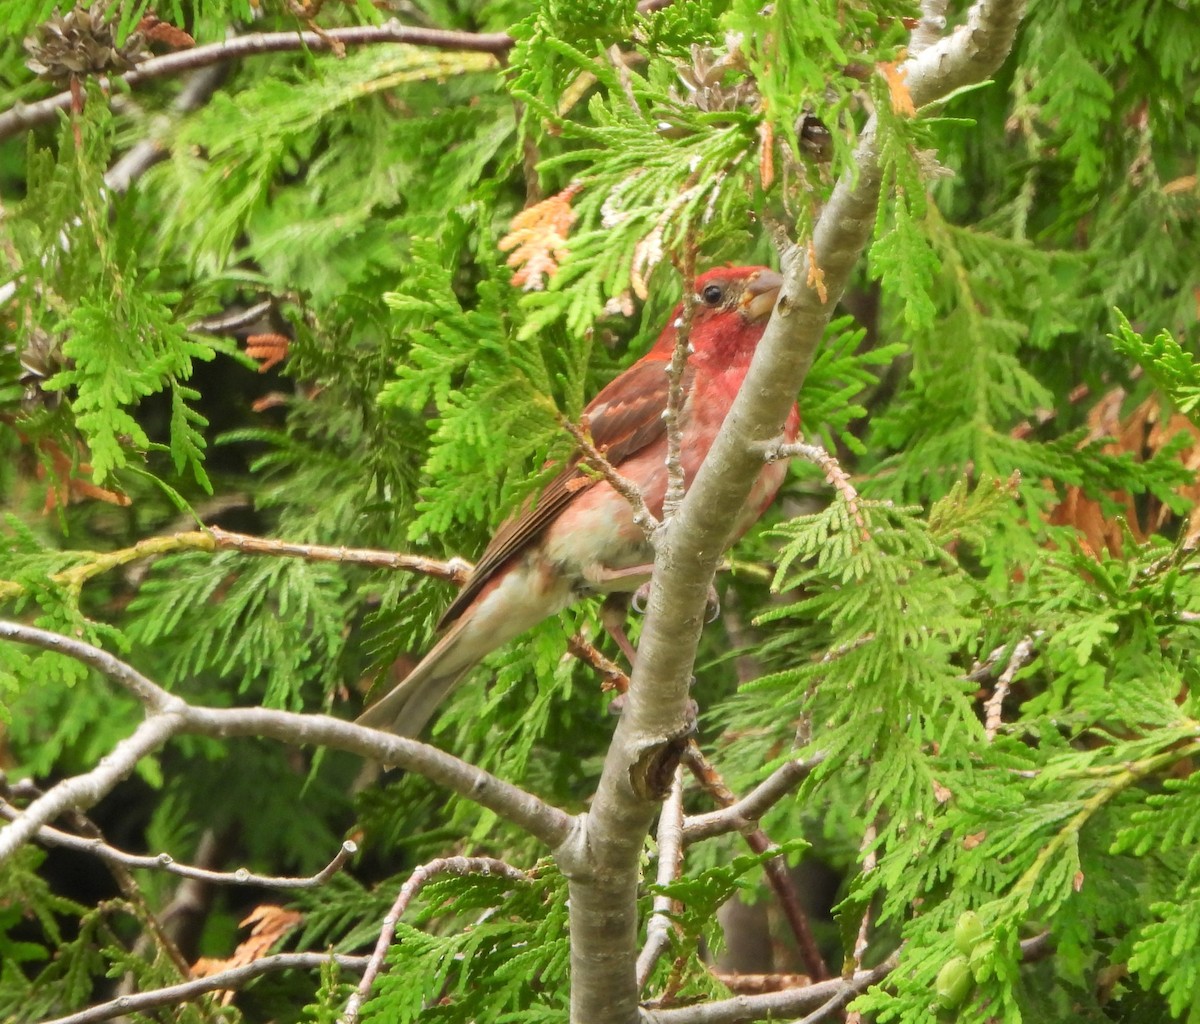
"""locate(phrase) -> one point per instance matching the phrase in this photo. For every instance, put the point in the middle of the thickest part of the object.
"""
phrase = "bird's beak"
(759, 295)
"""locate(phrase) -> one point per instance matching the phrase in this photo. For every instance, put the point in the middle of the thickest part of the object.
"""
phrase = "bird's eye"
(712, 294)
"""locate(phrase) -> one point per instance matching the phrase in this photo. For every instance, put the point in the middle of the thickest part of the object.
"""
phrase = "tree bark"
(602, 861)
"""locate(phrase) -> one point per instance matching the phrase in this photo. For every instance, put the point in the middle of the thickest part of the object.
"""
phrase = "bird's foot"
(612, 618)
(712, 604)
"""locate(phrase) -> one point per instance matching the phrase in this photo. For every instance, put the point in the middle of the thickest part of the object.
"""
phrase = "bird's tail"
(408, 706)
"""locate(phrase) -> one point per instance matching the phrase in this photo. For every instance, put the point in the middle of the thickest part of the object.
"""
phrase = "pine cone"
(41, 358)
(710, 84)
(78, 44)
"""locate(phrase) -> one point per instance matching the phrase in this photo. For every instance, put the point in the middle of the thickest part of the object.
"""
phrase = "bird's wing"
(623, 418)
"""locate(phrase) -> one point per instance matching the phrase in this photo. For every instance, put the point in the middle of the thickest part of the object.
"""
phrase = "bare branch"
(456, 570)
(594, 458)
(756, 984)
(235, 978)
(984, 670)
(862, 939)
(197, 91)
(414, 884)
(837, 477)
(1039, 947)
(670, 858)
(833, 1006)
(171, 716)
(603, 869)
(994, 706)
(87, 789)
(26, 115)
(743, 815)
(234, 320)
(614, 677)
(151, 695)
(165, 862)
(819, 1000)
(156, 933)
(775, 869)
(541, 820)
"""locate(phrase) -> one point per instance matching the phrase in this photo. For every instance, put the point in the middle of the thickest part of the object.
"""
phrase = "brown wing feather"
(623, 418)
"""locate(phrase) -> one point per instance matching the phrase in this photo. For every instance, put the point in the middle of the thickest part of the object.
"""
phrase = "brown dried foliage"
(1143, 432)
(538, 239)
(269, 924)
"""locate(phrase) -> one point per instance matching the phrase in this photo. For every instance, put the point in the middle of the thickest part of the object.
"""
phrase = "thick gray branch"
(540, 819)
(602, 861)
(86, 790)
(170, 716)
(150, 694)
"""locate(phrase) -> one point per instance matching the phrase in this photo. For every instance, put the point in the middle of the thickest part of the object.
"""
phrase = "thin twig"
(851, 988)
(196, 92)
(148, 693)
(595, 459)
(26, 115)
(775, 868)
(165, 862)
(184, 911)
(861, 940)
(870, 860)
(614, 677)
(756, 984)
(744, 814)
(455, 570)
(837, 477)
(619, 64)
(235, 320)
(414, 884)
(156, 933)
(675, 373)
(670, 859)
(826, 996)
(984, 670)
(234, 978)
(994, 705)
(86, 789)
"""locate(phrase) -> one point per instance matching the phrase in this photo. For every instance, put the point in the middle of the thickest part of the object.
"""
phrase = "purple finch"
(580, 538)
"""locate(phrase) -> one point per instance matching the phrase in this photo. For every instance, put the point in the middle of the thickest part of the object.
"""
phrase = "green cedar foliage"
(1038, 234)
(513, 934)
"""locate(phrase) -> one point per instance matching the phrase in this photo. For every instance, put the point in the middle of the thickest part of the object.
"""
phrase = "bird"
(579, 537)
